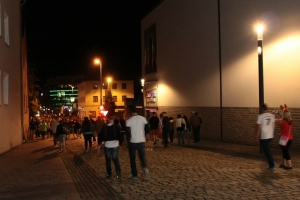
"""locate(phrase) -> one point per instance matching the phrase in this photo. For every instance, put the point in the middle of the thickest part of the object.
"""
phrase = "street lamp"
(259, 30)
(108, 81)
(142, 84)
(98, 61)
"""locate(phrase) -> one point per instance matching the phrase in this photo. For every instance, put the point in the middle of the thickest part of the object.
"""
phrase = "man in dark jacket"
(111, 134)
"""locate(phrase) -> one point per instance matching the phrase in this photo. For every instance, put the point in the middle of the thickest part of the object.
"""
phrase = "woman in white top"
(180, 127)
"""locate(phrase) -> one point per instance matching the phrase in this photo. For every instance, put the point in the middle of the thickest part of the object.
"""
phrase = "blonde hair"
(287, 116)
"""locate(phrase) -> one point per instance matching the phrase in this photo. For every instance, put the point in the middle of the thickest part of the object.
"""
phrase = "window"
(124, 86)
(92, 114)
(95, 85)
(114, 86)
(150, 49)
(115, 99)
(5, 88)
(6, 29)
(123, 98)
(95, 98)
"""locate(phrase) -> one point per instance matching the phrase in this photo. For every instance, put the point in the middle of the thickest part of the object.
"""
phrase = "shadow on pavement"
(48, 157)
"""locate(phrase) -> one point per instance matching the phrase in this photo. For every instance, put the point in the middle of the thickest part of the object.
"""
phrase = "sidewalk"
(205, 170)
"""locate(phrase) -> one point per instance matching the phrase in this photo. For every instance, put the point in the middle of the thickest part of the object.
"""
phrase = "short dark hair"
(264, 106)
(133, 109)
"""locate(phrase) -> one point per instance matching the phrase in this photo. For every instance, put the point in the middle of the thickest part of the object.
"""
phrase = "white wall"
(10, 115)
(187, 53)
(280, 56)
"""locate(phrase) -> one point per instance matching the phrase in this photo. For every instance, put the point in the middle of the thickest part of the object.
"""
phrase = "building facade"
(89, 96)
(203, 56)
(12, 109)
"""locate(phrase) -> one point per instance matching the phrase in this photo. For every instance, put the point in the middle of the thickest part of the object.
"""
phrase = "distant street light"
(98, 61)
(259, 30)
(108, 81)
(142, 84)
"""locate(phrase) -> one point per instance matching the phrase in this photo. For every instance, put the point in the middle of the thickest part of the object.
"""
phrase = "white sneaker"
(147, 174)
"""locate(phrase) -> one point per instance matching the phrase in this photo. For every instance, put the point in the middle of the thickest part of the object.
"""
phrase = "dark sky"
(64, 36)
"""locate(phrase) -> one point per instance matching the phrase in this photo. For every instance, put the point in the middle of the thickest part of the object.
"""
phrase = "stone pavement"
(205, 170)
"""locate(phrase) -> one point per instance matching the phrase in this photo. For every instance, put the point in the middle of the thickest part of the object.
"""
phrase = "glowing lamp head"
(259, 30)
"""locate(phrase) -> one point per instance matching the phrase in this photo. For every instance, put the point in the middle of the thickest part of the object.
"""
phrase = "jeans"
(165, 136)
(187, 134)
(180, 137)
(265, 145)
(196, 133)
(62, 139)
(87, 139)
(112, 153)
(140, 147)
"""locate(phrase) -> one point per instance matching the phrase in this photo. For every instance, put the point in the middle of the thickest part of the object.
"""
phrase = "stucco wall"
(10, 115)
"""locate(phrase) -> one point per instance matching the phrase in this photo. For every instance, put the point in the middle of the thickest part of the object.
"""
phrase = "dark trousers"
(112, 154)
(196, 133)
(87, 139)
(140, 147)
(54, 138)
(165, 136)
(171, 135)
(285, 150)
(265, 145)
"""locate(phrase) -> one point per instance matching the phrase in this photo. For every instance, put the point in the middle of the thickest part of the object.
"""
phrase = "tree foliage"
(33, 94)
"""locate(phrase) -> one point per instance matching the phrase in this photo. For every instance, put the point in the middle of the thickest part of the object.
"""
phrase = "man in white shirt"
(136, 129)
(265, 133)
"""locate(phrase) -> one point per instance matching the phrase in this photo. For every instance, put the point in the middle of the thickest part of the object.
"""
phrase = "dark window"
(124, 86)
(114, 86)
(150, 49)
(115, 99)
(92, 114)
(104, 86)
(95, 98)
(123, 98)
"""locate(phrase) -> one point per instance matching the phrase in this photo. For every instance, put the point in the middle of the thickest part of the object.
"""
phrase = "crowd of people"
(113, 132)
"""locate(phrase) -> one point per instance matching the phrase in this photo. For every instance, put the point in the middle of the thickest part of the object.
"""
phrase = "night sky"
(64, 36)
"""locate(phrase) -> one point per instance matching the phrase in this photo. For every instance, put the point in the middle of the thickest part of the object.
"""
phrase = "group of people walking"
(165, 128)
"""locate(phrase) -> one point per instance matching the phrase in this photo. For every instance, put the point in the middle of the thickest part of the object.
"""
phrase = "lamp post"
(98, 61)
(259, 30)
(108, 81)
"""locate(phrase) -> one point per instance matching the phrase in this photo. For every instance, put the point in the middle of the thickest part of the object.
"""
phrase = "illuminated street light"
(260, 30)
(98, 61)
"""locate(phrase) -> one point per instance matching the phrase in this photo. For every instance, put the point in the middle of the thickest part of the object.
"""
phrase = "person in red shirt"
(286, 126)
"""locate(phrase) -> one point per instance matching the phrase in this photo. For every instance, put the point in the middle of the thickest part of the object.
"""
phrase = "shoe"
(133, 177)
(108, 177)
(147, 174)
(288, 168)
(281, 166)
(272, 168)
(119, 177)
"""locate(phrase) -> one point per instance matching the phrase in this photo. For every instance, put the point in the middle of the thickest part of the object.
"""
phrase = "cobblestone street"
(205, 170)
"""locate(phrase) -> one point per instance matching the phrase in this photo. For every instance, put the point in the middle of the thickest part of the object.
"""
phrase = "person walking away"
(53, 127)
(171, 133)
(154, 123)
(286, 126)
(87, 129)
(195, 124)
(265, 133)
(166, 128)
(32, 128)
(187, 128)
(99, 123)
(111, 134)
(135, 127)
(77, 128)
(180, 129)
(43, 128)
(61, 134)
(124, 140)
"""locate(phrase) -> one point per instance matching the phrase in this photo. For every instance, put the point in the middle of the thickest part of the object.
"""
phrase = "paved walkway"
(206, 170)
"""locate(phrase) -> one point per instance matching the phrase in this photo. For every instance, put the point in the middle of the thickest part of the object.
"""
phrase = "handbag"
(284, 139)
